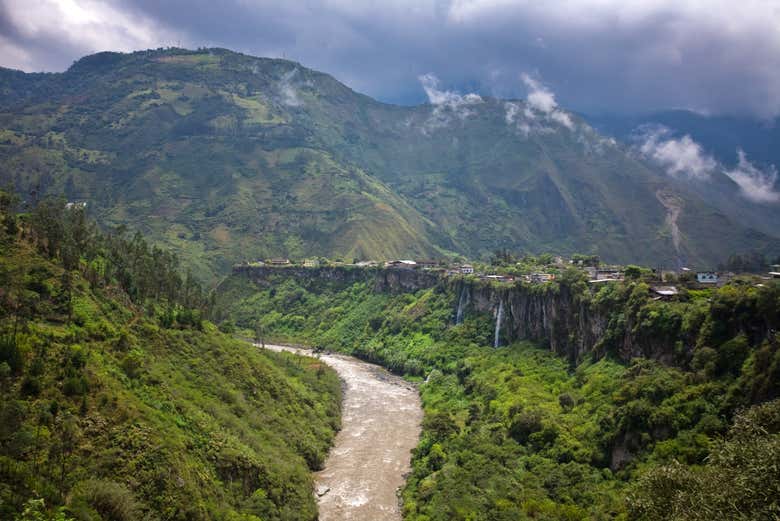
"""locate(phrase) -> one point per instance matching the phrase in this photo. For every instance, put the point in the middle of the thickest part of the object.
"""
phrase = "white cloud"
(84, 26)
(679, 157)
(563, 118)
(540, 108)
(446, 104)
(517, 116)
(683, 157)
(592, 142)
(539, 97)
(511, 112)
(756, 185)
(542, 100)
(446, 98)
(287, 90)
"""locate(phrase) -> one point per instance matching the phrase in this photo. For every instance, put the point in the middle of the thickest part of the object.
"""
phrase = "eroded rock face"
(555, 316)
(334, 276)
(400, 280)
(567, 322)
(390, 280)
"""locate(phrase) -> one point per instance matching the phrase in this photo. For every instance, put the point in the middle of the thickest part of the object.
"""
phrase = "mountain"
(225, 157)
(722, 138)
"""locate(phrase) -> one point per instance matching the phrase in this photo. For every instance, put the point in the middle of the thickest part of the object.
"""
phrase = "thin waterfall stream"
(499, 319)
(463, 300)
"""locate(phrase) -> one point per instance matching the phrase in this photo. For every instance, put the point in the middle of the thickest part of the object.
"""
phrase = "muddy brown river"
(380, 425)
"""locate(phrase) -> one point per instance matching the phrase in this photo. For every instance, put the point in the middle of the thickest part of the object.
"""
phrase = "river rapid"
(371, 455)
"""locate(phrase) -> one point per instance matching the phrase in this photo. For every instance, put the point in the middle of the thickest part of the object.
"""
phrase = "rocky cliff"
(568, 316)
(560, 315)
(392, 280)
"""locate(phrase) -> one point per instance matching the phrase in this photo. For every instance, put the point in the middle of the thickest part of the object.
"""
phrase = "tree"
(69, 433)
(566, 401)
(739, 481)
(632, 272)
(8, 203)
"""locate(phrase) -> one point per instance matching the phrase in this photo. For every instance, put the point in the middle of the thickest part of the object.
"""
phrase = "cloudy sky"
(712, 56)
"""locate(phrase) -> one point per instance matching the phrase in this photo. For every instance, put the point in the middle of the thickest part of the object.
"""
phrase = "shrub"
(566, 401)
(31, 386)
(75, 386)
(10, 353)
(524, 425)
(107, 499)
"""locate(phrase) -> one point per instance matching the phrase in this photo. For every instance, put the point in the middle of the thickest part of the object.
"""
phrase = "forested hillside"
(519, 432)
(225, 157)
(120, 401)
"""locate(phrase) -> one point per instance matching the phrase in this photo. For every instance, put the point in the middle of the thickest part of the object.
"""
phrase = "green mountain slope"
(114, 406)
(226, 157)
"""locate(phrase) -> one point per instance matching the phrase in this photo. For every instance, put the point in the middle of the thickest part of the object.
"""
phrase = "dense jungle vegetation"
(518, 433)
(120, 401)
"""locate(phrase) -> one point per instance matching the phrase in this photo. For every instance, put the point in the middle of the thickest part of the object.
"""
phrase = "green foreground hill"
(118, 402)
(225, 157)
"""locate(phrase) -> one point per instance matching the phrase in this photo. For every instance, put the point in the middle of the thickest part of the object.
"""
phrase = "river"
(380, 425)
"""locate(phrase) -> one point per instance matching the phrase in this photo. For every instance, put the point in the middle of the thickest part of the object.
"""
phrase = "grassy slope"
(514, 433)
(225, 157)
(183, 424)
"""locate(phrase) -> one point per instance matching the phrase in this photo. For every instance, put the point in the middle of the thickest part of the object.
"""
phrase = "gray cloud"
(715, 56)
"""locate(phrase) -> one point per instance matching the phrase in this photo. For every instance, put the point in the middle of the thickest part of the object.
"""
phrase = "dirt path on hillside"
(380, 425)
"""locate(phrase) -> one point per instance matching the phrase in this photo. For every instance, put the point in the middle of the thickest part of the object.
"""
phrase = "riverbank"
(371, 455)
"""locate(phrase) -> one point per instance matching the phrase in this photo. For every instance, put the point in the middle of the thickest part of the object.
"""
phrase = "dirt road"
(380, 425)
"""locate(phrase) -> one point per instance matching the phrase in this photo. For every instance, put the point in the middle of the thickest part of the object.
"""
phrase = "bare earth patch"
(380, 425)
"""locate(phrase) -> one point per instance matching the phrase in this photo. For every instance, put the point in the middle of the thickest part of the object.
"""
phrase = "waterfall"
(499, 318)
(462, 301)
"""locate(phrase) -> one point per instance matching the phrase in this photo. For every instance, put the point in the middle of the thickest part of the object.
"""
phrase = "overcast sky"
(712, 56)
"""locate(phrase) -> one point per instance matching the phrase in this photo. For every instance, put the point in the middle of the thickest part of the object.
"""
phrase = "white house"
(467, 269)
(403, 263)
(707, 277)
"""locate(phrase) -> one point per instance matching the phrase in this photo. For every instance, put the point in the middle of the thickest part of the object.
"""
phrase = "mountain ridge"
(225, 157)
